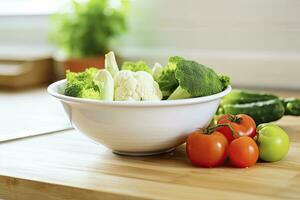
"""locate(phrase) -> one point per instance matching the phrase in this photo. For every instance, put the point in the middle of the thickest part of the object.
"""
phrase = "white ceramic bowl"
(138, 128)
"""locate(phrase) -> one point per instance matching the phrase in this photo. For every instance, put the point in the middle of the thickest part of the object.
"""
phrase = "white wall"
(201, 25)
(257, 42)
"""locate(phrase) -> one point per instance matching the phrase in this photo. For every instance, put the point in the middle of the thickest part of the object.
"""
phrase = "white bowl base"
(123, 153)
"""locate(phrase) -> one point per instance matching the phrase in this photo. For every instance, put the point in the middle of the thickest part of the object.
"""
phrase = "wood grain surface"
(67, 165)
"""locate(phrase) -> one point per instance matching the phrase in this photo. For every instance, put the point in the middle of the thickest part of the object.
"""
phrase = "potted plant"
(84, 31)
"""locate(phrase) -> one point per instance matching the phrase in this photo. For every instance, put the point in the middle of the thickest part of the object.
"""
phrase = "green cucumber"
(262, 107)
(243, 96)
(291, 106)
(261, 112)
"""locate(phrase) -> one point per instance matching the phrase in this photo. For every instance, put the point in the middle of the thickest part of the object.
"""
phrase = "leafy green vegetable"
(136, 66)
(167, 81)
(82, 85)
(196, 80)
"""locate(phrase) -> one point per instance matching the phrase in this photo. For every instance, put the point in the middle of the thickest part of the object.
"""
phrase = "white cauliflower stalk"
(111, 63)
(105, 83)
(136, 86)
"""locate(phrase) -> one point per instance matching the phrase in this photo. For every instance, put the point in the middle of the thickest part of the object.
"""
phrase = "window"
(29, 7)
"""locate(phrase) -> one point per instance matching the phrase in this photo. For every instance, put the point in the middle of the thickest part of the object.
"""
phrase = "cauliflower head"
(136, 86)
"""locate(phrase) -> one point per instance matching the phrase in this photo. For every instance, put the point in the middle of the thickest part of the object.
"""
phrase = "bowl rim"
(52, 90)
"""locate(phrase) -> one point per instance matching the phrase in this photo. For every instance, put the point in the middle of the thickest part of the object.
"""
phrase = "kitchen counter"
(67, 165)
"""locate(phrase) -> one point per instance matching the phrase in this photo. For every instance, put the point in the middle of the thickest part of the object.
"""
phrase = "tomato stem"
(211, 129)
(235, 118)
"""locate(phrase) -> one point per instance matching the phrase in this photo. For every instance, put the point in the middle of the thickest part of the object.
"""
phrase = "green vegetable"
(167, 81)
(136, 66)
(225, 80)
(261, 112)
(196, 80)
(291, 106)
(73, 90)
(82, 85)
(243, 96)
(262, 107)
(273, 142)
(91, 93)
(173, 61)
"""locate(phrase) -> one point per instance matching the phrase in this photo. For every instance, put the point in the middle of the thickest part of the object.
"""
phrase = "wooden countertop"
(67, 165)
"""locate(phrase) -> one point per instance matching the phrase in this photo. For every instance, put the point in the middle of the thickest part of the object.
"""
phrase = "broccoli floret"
(225, 81)
(167, 81)
(82, 85)
(73, 90)
(136, 66)
(90, 93)
(196, 80)
(174, 60)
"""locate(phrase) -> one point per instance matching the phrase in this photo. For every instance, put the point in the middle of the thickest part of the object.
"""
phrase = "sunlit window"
(29, 7)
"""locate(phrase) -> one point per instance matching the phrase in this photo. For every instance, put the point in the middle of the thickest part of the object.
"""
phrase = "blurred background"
(255, 42)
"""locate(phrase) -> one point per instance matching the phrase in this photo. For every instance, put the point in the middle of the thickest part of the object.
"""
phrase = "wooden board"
(69, 166)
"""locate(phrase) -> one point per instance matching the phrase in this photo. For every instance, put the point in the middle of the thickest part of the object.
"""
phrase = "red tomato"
(243, 152)
(242, 125)
(207, 150)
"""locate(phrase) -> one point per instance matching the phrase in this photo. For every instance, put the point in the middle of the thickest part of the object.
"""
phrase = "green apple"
(273, 142)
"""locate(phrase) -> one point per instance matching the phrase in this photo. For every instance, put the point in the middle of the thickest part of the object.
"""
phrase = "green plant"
(86, 29)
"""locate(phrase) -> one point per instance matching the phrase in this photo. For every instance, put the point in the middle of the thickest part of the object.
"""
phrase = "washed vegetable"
(105, 83)
(262, 107)
(196, 80)
(167, 80)
(82, 84)
(111, 64)
(136, 86)
(240, 125)
(180, 78)
(136, 66)
(273, 142)
(243, 152)
(207, 149)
